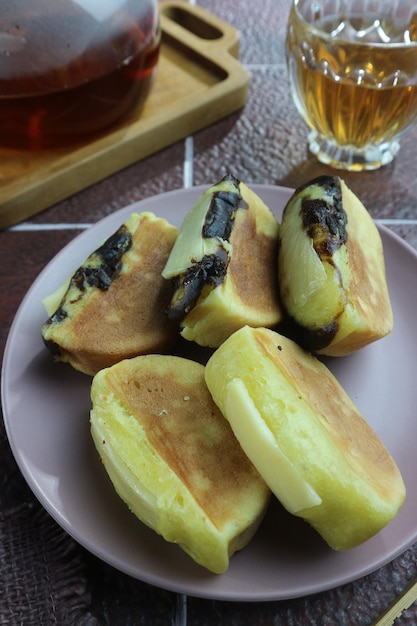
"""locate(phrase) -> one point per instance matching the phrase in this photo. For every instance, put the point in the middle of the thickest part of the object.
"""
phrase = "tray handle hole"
(192, 23)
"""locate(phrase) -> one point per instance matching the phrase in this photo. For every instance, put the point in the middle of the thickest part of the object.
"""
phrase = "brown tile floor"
(263, 143)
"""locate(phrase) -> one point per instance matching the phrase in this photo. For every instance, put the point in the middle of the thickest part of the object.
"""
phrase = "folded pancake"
(305, 436)
(114, 305)
(173, 458)
(331, 270)
(223, 265)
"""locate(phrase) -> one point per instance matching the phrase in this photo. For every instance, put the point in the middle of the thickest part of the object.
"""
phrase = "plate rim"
(109, 558)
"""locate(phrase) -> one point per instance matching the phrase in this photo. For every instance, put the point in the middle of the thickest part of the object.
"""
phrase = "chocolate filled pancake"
(114, 305)
(331, 270)
(223, 265)
(173, 458)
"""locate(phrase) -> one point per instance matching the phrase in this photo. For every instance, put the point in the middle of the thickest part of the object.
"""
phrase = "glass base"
(349, 157)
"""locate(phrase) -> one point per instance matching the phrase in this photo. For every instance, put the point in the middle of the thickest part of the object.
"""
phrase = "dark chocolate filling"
(221, 213)
(311, 340)
(325, 220)
(110, 265)
(211, 270)
(110, 254)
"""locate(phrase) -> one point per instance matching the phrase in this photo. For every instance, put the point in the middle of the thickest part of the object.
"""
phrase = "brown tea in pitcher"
(71, 69)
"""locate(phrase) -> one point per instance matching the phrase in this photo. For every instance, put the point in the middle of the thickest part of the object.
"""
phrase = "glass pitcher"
(70, 69)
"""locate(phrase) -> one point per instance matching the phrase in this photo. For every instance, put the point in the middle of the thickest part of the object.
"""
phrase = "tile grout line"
(188, 182)
(27, 226)
(395, 221)
(264, 66)
(188, 166)
(180, 617)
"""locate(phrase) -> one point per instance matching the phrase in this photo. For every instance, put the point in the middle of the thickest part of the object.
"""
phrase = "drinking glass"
(353, 75)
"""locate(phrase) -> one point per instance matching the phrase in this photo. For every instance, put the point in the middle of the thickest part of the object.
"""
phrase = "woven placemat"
(42, 577)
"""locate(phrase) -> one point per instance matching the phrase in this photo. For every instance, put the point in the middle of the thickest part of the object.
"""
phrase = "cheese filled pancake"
(173, 458)
(305, 436)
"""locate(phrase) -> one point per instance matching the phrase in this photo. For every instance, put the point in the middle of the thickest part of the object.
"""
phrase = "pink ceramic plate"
(46, 411)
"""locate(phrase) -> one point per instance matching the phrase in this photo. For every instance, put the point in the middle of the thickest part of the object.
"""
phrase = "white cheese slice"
(190, 246)
(140, 500)
(261, 447)
(52, 302)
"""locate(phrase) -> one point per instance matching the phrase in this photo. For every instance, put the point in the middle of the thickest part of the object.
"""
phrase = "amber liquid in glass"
(369, 102)
(67, 74)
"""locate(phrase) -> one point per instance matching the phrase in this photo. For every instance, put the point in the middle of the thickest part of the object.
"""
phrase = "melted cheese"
(261, 447)
(52, 302)
(190, 246)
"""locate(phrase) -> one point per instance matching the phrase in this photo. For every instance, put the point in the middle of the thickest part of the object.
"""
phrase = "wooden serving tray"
(199, 81)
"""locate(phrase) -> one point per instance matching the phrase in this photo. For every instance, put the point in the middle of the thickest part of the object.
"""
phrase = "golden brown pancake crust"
(368, 287)
(252, 266)
(188, 431)
(350, 432)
